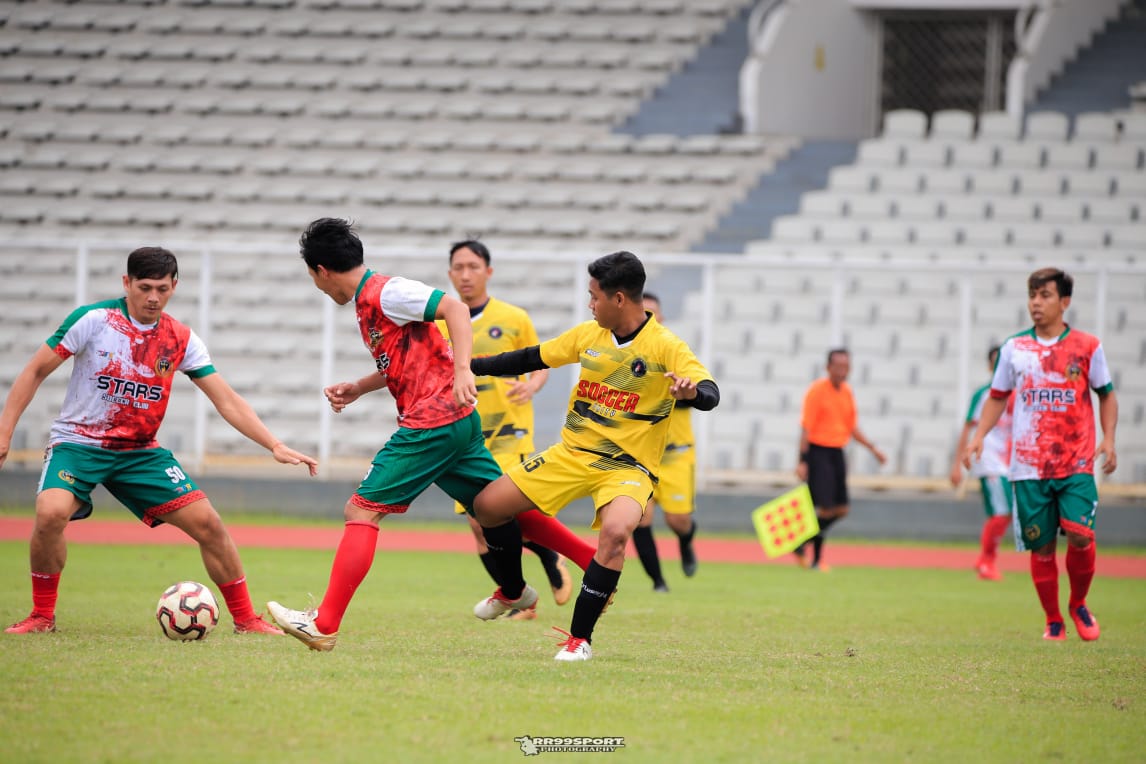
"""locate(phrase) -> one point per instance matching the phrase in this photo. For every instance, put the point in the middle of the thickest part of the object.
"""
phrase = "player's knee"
(1078, 540)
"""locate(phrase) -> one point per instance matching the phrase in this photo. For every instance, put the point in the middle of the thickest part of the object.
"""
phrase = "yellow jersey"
(499, 328)
(621, 406)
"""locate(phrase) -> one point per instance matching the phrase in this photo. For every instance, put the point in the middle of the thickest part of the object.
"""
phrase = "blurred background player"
(633, 371)
(1051, 369)
(675, 491)
(992, 473)
(827, 424)
(504, 403)
(126, 352)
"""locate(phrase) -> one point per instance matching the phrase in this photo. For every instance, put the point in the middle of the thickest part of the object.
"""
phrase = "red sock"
(993, 530)
(352, 562)
(1044, 572)
(551, 532)
(1080, 568)
(45, 590)
(238, 600)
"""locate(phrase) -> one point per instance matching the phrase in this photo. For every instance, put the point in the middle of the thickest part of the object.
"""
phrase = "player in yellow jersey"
(675, 493)
(504, 403)
(633, 371)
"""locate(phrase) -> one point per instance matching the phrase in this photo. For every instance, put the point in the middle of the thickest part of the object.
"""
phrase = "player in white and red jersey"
(991, 470)
(439, 440)
(1051, 369)
(125, 353)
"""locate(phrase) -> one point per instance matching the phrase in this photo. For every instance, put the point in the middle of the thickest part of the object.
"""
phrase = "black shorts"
(827, 476)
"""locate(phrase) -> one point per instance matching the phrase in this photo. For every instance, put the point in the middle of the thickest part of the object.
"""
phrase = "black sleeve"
(707, 396)
(509, 364)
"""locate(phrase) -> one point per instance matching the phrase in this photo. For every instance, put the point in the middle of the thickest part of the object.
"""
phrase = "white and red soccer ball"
(187, 611)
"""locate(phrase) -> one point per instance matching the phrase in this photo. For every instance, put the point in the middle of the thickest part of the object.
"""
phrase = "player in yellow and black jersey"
(633, 371)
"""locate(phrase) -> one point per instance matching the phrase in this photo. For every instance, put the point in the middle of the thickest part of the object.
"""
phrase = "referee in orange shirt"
(827, 424)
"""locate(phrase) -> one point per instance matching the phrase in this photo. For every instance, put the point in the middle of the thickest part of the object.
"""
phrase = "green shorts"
(453, 457)
(997, 495)
(1044, 506)
(149, 481)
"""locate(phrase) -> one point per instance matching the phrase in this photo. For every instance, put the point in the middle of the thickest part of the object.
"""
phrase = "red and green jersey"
(396, 319)
(121, 375)
(1053, 429)
(499, 328)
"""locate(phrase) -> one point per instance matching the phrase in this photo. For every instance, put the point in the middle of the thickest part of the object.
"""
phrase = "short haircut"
(332, 243)
(653, 297)
(1062, 280)
(152, 263)
(837, 351)
(619, 272)
(473, 245)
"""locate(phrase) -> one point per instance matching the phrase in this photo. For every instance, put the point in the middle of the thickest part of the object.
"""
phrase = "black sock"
(647, 551)
(548, 561)
(818, 539)
(504, 544)
(490, 566)
(596, 588)
(686, 538)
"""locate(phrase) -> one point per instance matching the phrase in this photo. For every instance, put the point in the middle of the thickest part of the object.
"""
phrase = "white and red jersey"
(1053, 426)
(396, 319)
(996, 457)
(121, 375)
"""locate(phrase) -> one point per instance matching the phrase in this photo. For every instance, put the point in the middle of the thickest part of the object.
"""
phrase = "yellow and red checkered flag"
(786, 522)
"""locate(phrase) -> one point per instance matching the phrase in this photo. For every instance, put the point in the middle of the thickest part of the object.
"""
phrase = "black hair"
(332, 243)
(1063, 281)
(152, 263)
(473, 245)
(834, 351)
(992, 353)
(653, 297)
(619, 272)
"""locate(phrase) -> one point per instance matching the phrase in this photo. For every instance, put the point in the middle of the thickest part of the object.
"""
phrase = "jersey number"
(175, 474)
(533, 463)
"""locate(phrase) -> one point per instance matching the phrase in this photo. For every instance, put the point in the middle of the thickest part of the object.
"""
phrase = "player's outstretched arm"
(342, 394)
(992, 409)
(509, 364)
(43, 362)
(1108, 418)
(239, 414)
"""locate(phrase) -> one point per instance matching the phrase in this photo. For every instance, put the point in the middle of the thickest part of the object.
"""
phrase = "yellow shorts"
(505, 461)
(676, 491)
(558, 476)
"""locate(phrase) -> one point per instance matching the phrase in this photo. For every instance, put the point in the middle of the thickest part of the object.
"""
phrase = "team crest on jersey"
(163, 367)
(1032, 533)
(67, 477)
(375, 337)
(1073, 372)
(382, 362)
(639, 367)
(495, 332)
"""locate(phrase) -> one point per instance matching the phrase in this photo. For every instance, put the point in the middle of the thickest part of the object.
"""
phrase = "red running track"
(708, 550)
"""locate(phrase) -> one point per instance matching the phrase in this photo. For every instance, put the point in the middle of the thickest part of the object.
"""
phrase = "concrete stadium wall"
(921, 517)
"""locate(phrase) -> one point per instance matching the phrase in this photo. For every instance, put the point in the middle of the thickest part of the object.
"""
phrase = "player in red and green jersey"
(1051, 370)
(991, 470)
(505, 404)
(633, 371)
(124, 355)
(439, 439)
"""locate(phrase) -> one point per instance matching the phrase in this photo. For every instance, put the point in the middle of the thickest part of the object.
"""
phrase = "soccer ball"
(186, 611)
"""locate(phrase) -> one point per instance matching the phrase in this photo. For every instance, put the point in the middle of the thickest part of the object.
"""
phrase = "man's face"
(324, 283)
(654, 307)
(146, 298)
(469, 274)
(1045, 305)
(604, 307)
(838, 367)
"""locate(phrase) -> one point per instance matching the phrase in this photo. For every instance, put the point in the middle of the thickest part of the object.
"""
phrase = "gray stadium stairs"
(777, 193)
(1098, 79)
(702, 98)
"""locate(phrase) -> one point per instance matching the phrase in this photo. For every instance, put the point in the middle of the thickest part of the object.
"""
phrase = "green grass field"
(742, 663)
